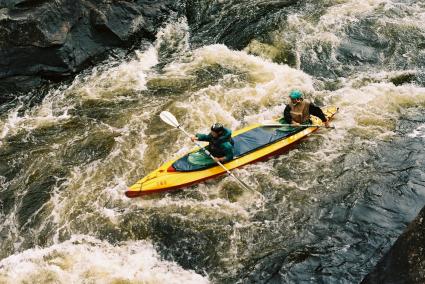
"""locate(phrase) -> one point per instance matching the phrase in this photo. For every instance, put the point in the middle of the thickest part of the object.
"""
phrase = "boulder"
(50, 40)
(405, 261)
(235, 23)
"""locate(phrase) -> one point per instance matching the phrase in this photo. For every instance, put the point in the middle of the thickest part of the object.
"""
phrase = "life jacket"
(300, 112)
(215, 146)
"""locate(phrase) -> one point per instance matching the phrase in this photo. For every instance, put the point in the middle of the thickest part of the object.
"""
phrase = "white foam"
(174, 37)
(313, 39)
(349, 10)
(419, 132)
(87, 259)
(257, 95)
(44, 115)
(375, 107)
(11, 123)
(266, 87)
(130, 76)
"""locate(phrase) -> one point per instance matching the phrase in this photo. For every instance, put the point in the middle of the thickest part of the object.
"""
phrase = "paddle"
(170, 119)
(274, 124)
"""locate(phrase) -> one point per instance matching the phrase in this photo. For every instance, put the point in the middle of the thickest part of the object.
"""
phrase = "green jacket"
(221, 146)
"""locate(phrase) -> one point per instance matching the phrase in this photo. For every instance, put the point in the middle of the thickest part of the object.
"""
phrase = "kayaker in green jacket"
(298, 111)
(220, 142)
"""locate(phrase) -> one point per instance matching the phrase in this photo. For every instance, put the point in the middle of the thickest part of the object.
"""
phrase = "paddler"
(220, 142)
(298, 110)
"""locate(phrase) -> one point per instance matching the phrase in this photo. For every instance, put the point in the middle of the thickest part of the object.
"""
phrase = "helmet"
(217, 127)
(295, 94)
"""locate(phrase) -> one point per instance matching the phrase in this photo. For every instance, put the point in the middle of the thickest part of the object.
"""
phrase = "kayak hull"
(136, 193)
(162, 179)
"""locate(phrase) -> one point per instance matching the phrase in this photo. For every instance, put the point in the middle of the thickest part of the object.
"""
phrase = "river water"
(332, 206)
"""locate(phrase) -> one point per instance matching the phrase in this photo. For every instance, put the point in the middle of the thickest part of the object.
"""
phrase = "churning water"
(332, 206)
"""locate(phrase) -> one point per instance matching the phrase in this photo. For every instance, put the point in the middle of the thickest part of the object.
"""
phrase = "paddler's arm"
(201, 137)
(316, 111)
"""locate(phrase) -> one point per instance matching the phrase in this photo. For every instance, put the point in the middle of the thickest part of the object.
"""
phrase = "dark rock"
(403, 79)
(405, 261)
(55, 39)
(234, 23)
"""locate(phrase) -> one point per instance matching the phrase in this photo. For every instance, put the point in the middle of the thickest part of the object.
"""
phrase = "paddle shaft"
(212, 157)
(301, 125)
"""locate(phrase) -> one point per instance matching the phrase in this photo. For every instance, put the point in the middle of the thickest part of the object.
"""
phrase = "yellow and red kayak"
(252, 143)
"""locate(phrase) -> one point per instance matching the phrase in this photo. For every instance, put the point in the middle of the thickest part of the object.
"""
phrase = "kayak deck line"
(162, 179)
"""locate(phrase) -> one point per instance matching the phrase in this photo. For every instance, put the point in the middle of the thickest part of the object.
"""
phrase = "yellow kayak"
(252, 143)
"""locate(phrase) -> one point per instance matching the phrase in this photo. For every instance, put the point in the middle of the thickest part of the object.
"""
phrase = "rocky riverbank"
(405, 261)
(51, 40)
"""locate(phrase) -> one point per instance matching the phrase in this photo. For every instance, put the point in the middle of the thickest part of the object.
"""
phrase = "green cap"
(295, 94)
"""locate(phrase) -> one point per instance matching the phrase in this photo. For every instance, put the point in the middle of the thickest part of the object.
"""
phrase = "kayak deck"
(252, 143)
(244, 144)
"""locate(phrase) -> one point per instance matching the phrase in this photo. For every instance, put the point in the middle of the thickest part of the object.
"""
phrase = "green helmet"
(295, 94)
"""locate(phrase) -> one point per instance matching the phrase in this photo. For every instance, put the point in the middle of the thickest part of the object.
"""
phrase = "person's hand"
(216, 159)
(327, 124)
(193, 138)
(295, 123)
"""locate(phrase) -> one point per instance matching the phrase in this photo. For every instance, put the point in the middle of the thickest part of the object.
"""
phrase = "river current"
(332, 206)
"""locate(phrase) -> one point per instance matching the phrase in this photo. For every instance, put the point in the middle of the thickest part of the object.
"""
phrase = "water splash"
(84, 258)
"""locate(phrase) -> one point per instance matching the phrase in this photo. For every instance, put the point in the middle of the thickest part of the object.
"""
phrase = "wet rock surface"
(50, 40)
(405, 261)
(235, 23)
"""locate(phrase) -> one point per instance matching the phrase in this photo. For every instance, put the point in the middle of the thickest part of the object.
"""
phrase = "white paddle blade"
(272, 124)
(169, 118)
